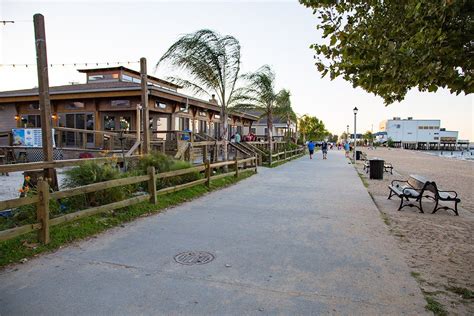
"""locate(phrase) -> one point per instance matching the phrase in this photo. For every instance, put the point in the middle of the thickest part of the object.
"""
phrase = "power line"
(85, 64)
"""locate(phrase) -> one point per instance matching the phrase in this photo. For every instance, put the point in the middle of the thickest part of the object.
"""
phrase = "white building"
(280, 127)
(417, 134)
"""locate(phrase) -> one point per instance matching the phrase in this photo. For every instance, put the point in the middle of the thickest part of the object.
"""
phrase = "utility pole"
(43, 93)
(146, 112)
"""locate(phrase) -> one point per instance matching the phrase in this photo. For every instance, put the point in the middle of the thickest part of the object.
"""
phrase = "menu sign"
(28, 137)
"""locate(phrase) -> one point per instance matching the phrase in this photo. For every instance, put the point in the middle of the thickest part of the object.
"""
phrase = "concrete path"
(303, 238)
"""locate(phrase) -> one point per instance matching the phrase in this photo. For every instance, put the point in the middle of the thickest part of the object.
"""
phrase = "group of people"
(324, 148)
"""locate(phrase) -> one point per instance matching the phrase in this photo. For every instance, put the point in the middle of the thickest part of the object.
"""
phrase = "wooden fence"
(44, 195)
(287, 155)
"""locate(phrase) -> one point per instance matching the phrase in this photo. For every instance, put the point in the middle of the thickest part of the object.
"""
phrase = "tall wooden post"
(152, 185)
(146, 113)
(208, 173)
(42, 211)
(43, 91)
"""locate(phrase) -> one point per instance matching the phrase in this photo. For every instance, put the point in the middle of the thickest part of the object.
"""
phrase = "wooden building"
(110, 101)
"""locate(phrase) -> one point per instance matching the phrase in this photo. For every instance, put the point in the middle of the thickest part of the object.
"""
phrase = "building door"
(77, 121)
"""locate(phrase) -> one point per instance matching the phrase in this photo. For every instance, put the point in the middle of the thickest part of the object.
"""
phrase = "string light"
(86, 64)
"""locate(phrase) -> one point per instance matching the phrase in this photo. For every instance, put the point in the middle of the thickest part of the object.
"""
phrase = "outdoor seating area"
(387, 166)
(412, 191)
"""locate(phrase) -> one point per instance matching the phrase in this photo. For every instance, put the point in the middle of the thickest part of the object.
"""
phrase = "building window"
(202, 126)
(217, 116)
(120, 103)
(32, 121)
(183, 123)
(436, 138)
(266, 130)
(75, 106)
(253, 130)
(34, 106)
(127, 78)
(109, 123)
(78, 121)
(202, 113)
(184, 109)
(136, 80)
(105, 78)
(397, 126)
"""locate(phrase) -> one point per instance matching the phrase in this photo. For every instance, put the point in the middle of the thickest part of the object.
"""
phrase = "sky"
(277, 33)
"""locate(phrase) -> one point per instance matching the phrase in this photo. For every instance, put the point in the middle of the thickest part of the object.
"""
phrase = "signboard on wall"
(28, 137)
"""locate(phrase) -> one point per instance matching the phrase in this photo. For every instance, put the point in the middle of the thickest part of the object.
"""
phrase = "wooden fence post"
(256, 162)
(152, 185)
(285, 154)
(42, 211)
(205, 152)
(236, 166)
(208, 173)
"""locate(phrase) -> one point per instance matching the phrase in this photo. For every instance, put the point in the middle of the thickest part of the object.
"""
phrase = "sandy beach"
(438, 247)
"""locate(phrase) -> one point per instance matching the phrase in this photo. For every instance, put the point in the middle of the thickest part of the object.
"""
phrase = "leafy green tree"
(212, 62)
(260, 94)
(312, 128)
(388, 47)
(368, 137)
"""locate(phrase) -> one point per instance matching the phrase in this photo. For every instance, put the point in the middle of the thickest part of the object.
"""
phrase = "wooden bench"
(416, 187)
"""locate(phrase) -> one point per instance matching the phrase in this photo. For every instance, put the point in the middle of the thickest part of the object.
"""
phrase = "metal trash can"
(376, 169)
(358, 154)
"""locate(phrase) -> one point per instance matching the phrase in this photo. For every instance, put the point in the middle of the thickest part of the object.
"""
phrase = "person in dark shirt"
(311, 146)
(324, 149)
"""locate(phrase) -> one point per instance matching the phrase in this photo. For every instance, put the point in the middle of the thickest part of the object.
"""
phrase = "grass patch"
(463, 292)
(279, 163)
(417, 276)
(385, 218)
(363, 179)
(434, 306)
(27, 246)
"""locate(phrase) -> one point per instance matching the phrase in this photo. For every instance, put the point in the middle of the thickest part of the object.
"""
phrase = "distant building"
(281, 128)
(417, 134)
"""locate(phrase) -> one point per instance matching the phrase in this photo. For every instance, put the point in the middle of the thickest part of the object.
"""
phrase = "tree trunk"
(224, 135)
(270, 134)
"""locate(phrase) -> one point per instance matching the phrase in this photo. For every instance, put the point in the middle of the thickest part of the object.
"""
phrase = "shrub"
(163, 163)
(89, 173)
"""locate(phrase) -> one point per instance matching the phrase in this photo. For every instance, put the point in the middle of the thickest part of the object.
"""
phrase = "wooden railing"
(59, 163)
(287, 155)
(44, 195)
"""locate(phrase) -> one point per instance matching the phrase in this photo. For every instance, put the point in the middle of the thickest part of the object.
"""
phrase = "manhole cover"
(194, 257)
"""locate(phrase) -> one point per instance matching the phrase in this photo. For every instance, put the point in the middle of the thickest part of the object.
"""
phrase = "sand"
(438, 247)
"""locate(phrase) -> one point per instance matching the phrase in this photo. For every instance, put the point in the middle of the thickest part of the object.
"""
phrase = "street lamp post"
(355, 110)
(347, 134)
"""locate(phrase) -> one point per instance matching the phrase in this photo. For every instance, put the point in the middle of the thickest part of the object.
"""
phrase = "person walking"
(311, 145)
(324, 149)
(347, 149)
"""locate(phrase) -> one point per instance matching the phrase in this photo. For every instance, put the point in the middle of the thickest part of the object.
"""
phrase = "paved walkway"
(303, 238)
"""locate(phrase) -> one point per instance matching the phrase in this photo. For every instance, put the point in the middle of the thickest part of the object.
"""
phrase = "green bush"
(163, 163)
(89, 173)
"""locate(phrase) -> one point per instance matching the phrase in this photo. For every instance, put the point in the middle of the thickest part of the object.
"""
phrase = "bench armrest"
(400, 181)
(412, 189)
(454, 192)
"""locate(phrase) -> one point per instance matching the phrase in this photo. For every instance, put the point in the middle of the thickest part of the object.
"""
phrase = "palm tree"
(284, 109)
(212, 62)
(260, 95)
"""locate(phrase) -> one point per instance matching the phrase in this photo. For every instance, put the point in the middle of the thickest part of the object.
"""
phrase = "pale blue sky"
(277, 33)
